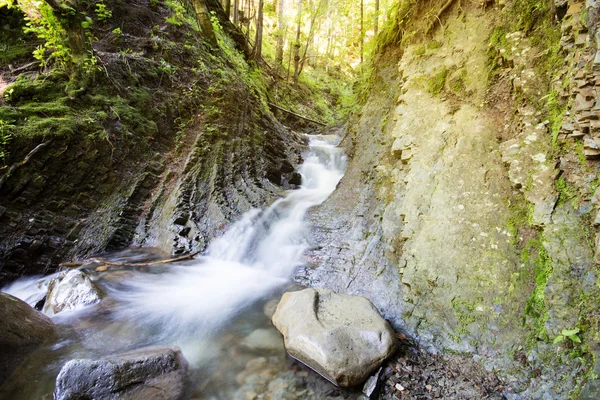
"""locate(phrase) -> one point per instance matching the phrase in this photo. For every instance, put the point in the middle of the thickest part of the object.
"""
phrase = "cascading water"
(198, 305)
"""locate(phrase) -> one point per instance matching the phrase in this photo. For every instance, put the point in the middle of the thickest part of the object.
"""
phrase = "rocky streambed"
(216, 309)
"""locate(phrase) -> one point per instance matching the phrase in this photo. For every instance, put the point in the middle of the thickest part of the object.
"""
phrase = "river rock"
(76, 289)
(153, 373)
(22, 330)
(263, 340)
(341, 337)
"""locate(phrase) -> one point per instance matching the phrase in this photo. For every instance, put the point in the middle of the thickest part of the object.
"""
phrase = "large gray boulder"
(75, 290)
(22, 330)
(341, 337)
(153, 373)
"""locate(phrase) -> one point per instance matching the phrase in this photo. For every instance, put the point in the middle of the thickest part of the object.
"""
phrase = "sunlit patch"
(3, 84)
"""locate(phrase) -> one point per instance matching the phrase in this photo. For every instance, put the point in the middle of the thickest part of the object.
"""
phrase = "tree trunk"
(362, 31)
(259, 32)
(297, 43)
(376, 19)
(236, 12)
(203, 15)
(228, 8)
(280, 32)
(214, 6)
(311, 33)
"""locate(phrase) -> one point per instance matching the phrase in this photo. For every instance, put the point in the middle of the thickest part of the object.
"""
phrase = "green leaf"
(559, 339)
(575, 338)
(570, 332)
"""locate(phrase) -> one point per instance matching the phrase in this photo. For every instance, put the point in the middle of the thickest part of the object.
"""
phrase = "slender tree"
(281, 28)
(376, 19)
(362, 31)
(297, 43)
(259, 32)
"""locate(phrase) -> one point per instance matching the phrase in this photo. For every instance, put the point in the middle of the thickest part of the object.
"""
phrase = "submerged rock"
(341, 337)
(263, 340)
(76, 289)
(22, 330)
(153, 373)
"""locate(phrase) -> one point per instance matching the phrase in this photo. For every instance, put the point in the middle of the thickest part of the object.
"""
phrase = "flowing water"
(211, 307)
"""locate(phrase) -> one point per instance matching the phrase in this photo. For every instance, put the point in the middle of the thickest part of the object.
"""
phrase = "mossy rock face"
(115, 139)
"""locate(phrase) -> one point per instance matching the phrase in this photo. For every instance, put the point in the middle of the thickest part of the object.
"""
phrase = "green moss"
(465, 314)
(556, 109)
(496, 51)
(44, 126)
(565, 191)
(419, 51)
(536, 254)
(10, 53)
(437, 82)
(44, 88)
(457, 84)
(54, 108)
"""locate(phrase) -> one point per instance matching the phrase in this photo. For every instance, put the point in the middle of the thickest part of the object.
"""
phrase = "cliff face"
(468, 210)
(169, 127)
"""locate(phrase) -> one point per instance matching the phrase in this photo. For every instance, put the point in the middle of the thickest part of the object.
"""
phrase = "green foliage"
(51, 31)
(571, 334)
(180, 16)
(103, 12)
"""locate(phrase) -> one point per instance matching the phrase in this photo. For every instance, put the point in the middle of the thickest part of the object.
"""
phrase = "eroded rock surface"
(22, 330)
(342, 337)
(154, 373)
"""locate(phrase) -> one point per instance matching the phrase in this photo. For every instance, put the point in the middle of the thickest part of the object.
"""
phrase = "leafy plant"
(571, 334)
(102, 12)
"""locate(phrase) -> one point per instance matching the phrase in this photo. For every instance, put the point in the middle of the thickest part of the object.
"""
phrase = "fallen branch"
(117, 264)
(14, 167)
(296, 115)
(25, 67)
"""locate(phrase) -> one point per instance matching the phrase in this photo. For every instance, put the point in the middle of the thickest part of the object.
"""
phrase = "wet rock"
(76, 289)
(270, 307)
(296, 179)
(22, 330)
(263, 339)
(154, 373)
(341, 337)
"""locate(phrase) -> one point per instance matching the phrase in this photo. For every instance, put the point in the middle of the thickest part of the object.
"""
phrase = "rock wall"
(464, 215)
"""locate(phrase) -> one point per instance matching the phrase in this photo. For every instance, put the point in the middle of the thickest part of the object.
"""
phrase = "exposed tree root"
(15, 166)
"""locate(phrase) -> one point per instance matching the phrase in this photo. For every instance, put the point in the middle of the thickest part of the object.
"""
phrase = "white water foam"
(256, 255)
